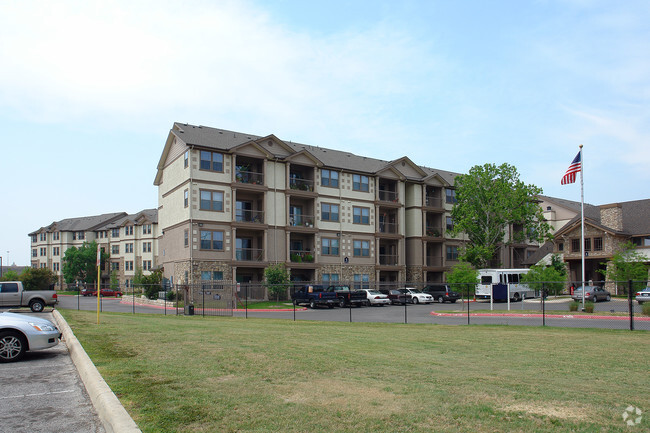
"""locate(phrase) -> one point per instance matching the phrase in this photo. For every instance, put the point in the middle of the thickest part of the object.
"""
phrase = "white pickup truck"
(12, 294)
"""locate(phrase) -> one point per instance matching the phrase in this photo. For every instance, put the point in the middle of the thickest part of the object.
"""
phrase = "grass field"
(182, 374)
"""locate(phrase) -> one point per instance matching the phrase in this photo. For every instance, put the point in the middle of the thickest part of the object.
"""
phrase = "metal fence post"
(630, 306)
(543, 306)
(468, 304)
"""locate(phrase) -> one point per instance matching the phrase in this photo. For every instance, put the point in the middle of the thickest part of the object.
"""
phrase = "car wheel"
(118, 295)
(36, 306)
(330, 306)
(608, 298)
(441, 299)
(595, 299)
(453, 301)
(516, 297)
(415, 300)
(312, 304)
(341, 303)
(12, 346)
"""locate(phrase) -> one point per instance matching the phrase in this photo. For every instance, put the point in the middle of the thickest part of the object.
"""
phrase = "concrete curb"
(111, 412)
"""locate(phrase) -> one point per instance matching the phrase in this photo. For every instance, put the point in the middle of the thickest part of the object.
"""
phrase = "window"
(329, 247)
(450, 195)
(361, 248)
(587, 244)
(186, 158)
(34, 252)
(450, 223)
(560, 246)
(211, 275)
(146, 229)
(56, 267)
(128, 231)
(146, 265)
(186, 238)
(330, 278)
(329, 178)
(361, 281)
(9, 287)
(34, 238)
(598, 244)
(115, 266)
(78, 236)
(128, 265)
(329, 212)
(43, 251)
(212, 200)
(186, 198)
(211, 161)
(360, 183)
(452, 252)
(115, 233)
(43, 236)
(128, 248)
(115, 249)
(211, 240)
(146, 247)
(55, 251)
(360, 215)
(55, 236)
(575, 245)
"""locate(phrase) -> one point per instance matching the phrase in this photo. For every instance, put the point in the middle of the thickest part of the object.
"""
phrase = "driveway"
(44, 393)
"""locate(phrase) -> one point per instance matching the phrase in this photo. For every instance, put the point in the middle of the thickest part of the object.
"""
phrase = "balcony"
(249, 216)
(433, 231)
(389, 196)
(434, 261)
(301, 184)
(301, 256)
(249, 177)
(249, 254)
(389, 259)
(301, 221)
(388, 227)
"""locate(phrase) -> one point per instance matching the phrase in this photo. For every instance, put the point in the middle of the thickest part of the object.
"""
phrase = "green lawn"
(182, 374)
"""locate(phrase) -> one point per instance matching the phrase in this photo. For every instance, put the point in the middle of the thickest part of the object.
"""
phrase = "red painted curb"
(555, 316)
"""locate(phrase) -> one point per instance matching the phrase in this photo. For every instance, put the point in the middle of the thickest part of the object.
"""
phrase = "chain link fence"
(606, 304)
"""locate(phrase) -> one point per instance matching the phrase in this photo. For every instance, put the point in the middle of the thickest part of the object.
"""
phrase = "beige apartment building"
(130, 240)
(230, 204)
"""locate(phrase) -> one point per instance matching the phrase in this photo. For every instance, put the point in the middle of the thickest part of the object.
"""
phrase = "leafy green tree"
(81, 263)
(627, 264)
(115, 282)
(277, 279)
(37, 279)
(551, 278)
(462, 276)
(490, 200)
(152, 283)
(10, 276)
(137, 278)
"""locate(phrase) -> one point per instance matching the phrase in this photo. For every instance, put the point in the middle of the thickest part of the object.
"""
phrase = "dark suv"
(441, 293)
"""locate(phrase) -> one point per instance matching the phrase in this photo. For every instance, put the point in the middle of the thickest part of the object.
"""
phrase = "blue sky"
(89, 91)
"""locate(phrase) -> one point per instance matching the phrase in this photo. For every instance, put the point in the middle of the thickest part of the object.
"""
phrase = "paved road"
(43, 393)
(409, 314)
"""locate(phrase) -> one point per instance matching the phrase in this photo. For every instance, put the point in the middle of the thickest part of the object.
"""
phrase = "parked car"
(20, 333)
(643, 296)
(87, 291)
(13, 294)
(374, 297)
(442, 293)
(314, 295)
(417, 296)
(103, 292)
(592, 293)
(396, 297)
(347, 296)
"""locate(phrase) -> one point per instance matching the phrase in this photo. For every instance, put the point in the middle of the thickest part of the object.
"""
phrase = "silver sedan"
(20, 333)
(643, 296)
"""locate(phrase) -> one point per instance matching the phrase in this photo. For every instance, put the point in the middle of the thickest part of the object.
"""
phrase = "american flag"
(570, 175)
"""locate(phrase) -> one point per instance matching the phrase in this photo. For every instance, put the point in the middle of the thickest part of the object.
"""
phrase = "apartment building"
(230, 204)
(130, 240)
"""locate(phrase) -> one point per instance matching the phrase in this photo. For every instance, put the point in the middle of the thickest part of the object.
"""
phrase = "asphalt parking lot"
(44, 393)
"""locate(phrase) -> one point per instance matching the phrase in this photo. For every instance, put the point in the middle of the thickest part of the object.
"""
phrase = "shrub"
(171, 295)
(646, 309)
(589, 307)
(573, 306)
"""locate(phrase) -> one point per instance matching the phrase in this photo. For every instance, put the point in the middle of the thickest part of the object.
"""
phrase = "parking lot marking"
(38, 394)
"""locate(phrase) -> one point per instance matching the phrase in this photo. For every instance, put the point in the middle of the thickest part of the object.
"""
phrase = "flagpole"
(582, 224)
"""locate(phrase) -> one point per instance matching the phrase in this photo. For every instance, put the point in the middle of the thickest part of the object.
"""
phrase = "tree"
(490, 200)
(80, 264)
(462, 275)
(37, 279)
(547, 277)
(115, 282)
(10, 276)
(277, 279)
(627, 264)
(152, 283)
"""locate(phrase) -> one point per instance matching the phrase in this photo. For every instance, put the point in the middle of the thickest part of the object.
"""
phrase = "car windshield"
(374, 292)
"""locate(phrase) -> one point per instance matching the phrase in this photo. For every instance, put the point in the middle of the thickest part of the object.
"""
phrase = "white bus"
(509, 277)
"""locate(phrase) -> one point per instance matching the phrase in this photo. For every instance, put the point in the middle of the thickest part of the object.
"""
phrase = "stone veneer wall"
(415, 274)
(347, 272)
(612, 217)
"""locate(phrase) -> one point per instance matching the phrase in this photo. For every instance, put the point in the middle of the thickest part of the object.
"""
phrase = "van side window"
(8, 287)
(486, 279)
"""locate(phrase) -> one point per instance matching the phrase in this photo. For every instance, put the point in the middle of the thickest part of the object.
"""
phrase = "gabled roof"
(87, 223)
(636, 218)
(147, 216)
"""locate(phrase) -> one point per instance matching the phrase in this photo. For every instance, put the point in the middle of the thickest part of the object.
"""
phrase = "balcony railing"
(249, 254)
(301, 184)
(389, 259)
(388, 227)
(301, 221)
(301, 256)
(249, 216)
(433, 231)
(434, 260)
(388, 196)
(249, 177)
(432, 201)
